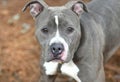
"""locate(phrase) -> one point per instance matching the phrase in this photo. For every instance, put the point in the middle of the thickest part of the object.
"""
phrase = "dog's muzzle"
(56, 49)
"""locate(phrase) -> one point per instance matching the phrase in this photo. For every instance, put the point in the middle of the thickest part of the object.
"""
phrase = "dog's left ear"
(36, 7)
(77, 6)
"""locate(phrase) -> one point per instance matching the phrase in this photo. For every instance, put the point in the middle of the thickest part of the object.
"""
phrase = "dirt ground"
(19, 49)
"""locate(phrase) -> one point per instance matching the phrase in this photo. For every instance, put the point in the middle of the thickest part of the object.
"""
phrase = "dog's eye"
(70, 30)
(45, 30)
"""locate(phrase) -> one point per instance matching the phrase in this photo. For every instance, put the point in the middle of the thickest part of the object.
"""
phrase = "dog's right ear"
(36, 7)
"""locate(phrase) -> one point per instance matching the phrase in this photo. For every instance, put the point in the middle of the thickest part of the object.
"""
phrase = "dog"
(77, 38)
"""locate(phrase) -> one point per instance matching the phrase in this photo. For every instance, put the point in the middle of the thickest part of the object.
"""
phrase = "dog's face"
(57, 29)
(59, 34)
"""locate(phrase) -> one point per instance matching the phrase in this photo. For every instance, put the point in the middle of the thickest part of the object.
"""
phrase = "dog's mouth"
(57, 60)
(60, 58)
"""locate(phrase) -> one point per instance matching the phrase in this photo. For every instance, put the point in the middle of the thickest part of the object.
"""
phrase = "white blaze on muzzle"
(58, 39)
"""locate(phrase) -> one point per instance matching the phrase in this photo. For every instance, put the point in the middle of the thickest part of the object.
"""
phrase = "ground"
(20, 51)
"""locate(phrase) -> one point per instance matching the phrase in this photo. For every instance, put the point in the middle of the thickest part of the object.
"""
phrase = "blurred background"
(19, 49)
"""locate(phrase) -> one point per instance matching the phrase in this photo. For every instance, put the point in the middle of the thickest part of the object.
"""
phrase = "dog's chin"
(59, 60)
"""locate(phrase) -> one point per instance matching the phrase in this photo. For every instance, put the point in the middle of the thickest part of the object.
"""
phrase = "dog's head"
(57, 28)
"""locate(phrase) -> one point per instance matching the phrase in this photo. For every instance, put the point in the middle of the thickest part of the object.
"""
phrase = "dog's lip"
(56, 60)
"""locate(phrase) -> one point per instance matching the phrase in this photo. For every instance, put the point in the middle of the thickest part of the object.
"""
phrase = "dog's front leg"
(91, 75)
(91, 69)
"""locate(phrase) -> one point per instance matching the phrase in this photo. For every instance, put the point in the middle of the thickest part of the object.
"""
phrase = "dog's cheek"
(73, 45)
(45, 52)
(69, 56)
(75, 41)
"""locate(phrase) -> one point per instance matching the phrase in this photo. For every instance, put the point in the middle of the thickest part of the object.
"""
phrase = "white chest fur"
(69, 69)
(51, 68)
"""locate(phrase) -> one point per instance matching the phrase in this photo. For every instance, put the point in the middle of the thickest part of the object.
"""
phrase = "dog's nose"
(57, 49)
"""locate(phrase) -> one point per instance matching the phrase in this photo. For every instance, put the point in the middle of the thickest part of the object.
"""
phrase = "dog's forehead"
(65, 16)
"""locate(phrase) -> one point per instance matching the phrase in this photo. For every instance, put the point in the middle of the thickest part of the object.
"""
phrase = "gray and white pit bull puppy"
(76, 39)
